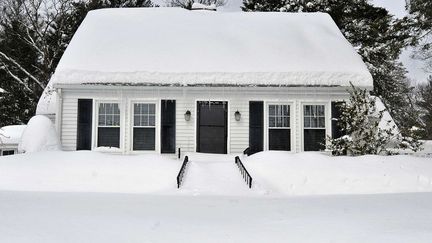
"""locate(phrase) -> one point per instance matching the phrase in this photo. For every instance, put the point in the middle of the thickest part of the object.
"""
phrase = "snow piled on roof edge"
(216, 78)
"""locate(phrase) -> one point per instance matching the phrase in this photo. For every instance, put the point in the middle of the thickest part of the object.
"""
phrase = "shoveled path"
(210, 174)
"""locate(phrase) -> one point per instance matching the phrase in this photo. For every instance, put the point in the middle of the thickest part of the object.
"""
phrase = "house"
(162, 80)
(10, 137)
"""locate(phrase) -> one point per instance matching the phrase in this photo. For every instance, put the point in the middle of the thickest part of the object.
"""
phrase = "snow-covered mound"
(174, 46)
(275, 174)
(39, 135)
(11, 134)
(85, 171)
(315, 173)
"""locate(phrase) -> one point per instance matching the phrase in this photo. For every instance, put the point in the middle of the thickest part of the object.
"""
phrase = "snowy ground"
(53, 197)
(274, 174)
(94, 217)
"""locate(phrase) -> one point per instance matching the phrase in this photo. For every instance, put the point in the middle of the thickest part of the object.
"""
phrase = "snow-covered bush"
(39, 135)
(367, 131)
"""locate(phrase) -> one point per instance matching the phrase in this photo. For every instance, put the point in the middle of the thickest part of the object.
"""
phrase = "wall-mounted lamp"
(187, 115)
(237, 115)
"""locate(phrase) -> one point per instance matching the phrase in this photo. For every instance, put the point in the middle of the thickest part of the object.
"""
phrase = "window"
(314, 127)
(109, 125)
(144, 126)
(8, 152)
(279, 127)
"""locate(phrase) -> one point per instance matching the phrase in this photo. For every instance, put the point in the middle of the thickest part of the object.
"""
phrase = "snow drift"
(11, 134)
(275, 174)
(39, 135)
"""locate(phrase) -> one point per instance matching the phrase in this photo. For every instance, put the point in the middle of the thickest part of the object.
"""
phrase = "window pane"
(101, 108)
(307, 109)
(151, 120)
(272, 110)
(314, 122)
(136, 120)
(320, 109)
(143, 139)
(321, 122)
(286, 122)
(152, 108)
(116, 121)
(109, 137)
(280, 139)
(109, 114)
(144, 121)
(144, 109)
(101, 121)
(272, 122)
(109, 120)
(136, 109)
(286, 111)
(314, 139)
(306, 122)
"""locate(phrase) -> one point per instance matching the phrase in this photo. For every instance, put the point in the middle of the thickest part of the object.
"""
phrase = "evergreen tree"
(33, 37)
(360, 120)
(425, 103)
(421, 15)
(376, 36)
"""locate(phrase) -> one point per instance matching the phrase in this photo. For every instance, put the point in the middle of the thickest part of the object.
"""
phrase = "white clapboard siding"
(186, 99)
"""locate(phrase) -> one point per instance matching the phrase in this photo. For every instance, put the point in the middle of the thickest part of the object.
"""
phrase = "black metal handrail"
(246, 176)
(182, 171)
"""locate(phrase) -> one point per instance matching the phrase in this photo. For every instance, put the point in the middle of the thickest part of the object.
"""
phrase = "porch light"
(187, 115)
(237, 115)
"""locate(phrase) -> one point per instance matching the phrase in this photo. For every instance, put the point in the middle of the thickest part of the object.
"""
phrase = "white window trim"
(327, 113)
(291, 104)
(131, 103)
(95, 126)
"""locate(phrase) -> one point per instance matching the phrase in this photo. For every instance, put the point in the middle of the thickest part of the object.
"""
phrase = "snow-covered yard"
(95, 217)
(307, 197)
(274, 173)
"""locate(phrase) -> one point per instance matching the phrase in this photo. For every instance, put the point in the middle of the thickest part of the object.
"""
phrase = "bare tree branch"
(16, 64)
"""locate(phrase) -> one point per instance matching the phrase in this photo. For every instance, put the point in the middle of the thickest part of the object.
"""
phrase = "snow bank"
(11, 134)
(173, 46)
(315, 173)
(85, 171)
(39, 135)
(275, 174)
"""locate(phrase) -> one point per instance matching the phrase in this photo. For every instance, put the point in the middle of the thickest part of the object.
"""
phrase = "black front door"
(212, 129)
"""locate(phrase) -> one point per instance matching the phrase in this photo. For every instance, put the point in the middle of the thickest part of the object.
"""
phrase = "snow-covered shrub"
(366, 130)
(39, 135)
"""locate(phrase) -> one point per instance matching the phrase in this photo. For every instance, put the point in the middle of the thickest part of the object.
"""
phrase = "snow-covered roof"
(11, 134)
(174, 46)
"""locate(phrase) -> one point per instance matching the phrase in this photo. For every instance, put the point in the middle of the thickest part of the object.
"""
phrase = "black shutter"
(256, 126)
(336, 114)
(84, 121)
(168, 130)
